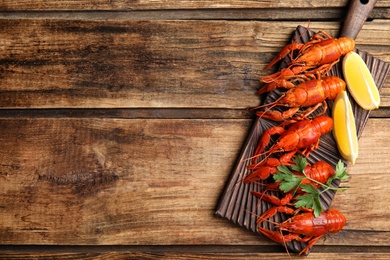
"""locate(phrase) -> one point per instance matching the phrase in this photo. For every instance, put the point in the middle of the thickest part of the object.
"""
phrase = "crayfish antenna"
(303, 32)
(288, 49)
(257, 156)
(267, 153)
(261, 114)
(271, 78)
(270, 104)
(285, 245)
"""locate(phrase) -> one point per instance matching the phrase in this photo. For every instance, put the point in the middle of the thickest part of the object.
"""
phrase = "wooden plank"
(153, 182)
(191, 255)
(147, 113)
(269, 14)
(110, 181)
(141, 64)
(95, 5)
(365, 181)
(136, 113)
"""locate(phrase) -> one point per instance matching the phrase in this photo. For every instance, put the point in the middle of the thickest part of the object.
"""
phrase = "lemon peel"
(359, 81)
(344, 128)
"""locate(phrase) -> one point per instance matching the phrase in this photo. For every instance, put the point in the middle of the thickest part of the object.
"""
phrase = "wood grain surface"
(169, 4)
(120, 124)
(148, 64)
(115, 181)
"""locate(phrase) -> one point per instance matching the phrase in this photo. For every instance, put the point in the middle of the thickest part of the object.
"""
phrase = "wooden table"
(121, 122)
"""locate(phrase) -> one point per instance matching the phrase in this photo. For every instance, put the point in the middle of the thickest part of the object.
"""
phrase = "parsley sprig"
(292, 182)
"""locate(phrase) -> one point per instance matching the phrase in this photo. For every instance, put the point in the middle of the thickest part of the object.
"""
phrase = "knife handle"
(358, 12)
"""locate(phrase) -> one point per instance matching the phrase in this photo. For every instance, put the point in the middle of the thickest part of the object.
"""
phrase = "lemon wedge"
(359, 81)
(344, 128)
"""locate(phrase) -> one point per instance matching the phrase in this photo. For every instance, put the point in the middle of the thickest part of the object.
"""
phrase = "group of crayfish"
(303, 87)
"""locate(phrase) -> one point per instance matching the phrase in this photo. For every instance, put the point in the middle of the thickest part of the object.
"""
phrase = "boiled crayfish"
(314, 59)
(262, 170)
(302, 227)
(309, 94)
(301, 136)
(320, 172)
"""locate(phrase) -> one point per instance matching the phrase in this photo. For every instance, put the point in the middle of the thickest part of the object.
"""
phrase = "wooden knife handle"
(358, 12)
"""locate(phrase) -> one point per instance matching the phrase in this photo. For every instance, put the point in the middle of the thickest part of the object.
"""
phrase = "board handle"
(357, 14)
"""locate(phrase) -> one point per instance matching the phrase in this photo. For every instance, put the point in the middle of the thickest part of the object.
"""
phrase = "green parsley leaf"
(300, 164)
(310, 200)
(308, 188)
(278, 176)
(284, 169)
(287, 178)
(282, 173)
(289, 184)
(340, 173)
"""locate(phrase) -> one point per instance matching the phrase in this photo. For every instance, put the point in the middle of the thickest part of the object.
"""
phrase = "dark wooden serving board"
(238, 205)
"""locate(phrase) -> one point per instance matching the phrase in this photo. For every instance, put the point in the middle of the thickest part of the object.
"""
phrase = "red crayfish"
(302, 136)
(320, 172)
(302, 227)
(316, 57)
(309, 94)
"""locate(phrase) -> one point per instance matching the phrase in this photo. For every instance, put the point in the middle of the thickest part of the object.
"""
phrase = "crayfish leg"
(266, 138)
(289, 48)
(277, 236)
(265, 168)
(261, 173)
(310, 110)
(320, 36)
(310, 243)
(273, 199)
(267, 88)
(311, 148)
(272, 211)
(278, 116)
(285, 159)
